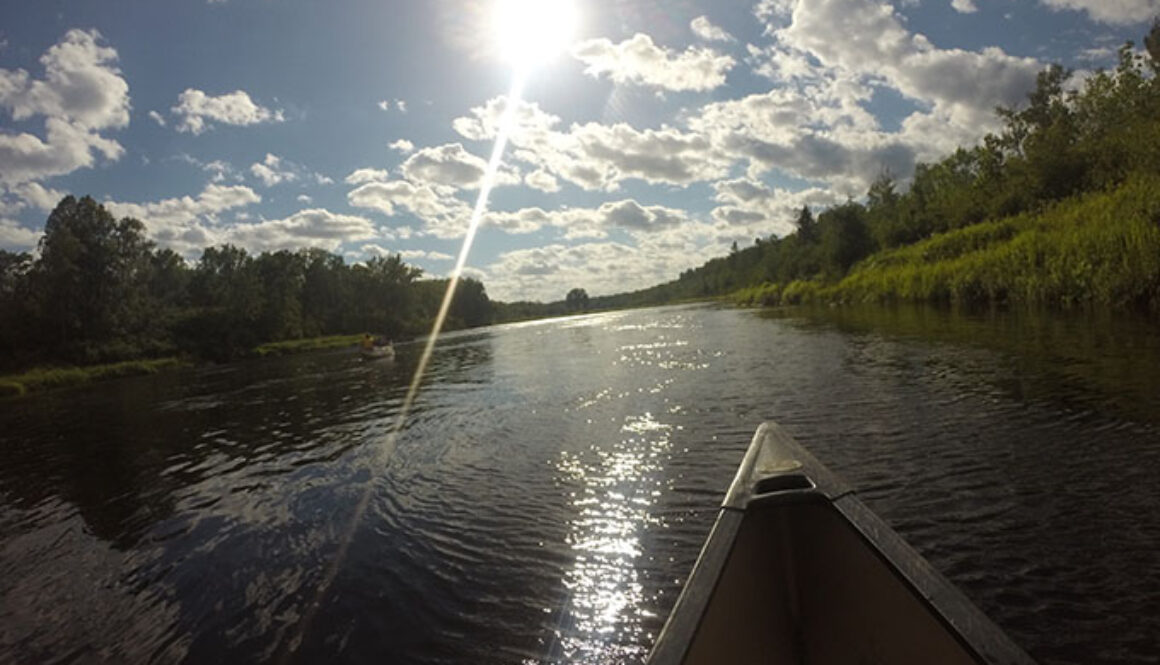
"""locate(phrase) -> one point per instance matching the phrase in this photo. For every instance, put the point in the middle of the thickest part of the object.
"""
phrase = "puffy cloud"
(304, 198)
(748, 208)
(15, 236)
(542, 180)
(157, 118)
(82, 92)
(314, 227)
(412, 254)
(703, 28)
(867, 37)
(361, 176)
(625, 214)
(270, 173)
(29, 194)
(274, 170)
(188, 224)
(443, 215)
(595, 156)
(964, 6)
(402, 145)
(448, 164)
(1122, 12)
(639, 61)
(197, 111)
(547, 273)
(81, 85)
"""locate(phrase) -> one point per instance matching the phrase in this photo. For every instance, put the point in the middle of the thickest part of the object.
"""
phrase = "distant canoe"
(798, 570)
(377, 351)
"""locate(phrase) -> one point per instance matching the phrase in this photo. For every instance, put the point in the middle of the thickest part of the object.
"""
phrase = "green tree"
(845, 238)
(807, 228)
(576, 300)
(92, 282)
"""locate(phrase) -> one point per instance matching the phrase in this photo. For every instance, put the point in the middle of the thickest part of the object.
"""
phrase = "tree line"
(99, 291)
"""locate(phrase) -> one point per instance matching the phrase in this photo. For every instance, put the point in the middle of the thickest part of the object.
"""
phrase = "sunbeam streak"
(381, 453)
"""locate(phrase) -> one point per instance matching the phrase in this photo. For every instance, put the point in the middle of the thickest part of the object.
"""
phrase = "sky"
(649, 135)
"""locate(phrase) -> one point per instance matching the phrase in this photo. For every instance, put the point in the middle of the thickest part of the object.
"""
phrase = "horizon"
(663, 134)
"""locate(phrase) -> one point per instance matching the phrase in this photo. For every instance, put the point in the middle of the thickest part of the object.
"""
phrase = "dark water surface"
(556, 480)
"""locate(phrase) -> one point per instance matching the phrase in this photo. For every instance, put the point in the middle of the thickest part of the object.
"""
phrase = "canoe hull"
(798, 570)
(375, 352)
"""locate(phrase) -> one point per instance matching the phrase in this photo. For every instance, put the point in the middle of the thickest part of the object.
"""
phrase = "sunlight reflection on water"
(602, 622)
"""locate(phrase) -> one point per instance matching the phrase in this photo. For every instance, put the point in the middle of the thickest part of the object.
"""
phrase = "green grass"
(46, 378)
(303, 345)
(1101, 249)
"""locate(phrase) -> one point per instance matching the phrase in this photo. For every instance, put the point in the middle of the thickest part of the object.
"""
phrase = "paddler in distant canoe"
(368, 342)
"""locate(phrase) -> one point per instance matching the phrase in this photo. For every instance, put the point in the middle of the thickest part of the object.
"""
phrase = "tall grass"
(301, 345)
(46, 378)
(1099, 249)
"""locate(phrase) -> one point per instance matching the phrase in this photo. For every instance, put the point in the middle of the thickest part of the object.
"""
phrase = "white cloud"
(274, 170)
(398, 104)
(748, 208)
(314, 227)
(639, 61)
(304, 198)
(867, 38)
(442, 214)
(402, 145)
(411, 254)
(157, 118)
(188, 224)
(197, 111)
(625, 214)
(15, 236)
(547, 273)
(361, 176)
(1119, 12)
(448, 164)
(82, 93)
(964, 6)
(270, 171)
(595, 156)
(543, 181)
(703, 28)
(29, 194)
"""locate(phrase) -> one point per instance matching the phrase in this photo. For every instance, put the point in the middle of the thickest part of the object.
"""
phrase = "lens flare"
(380, 454)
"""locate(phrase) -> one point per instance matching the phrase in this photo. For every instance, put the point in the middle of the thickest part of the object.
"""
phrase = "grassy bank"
(45, 378)
(1099, 249)
(302, 345)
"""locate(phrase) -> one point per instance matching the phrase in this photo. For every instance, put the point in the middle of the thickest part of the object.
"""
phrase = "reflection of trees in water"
(460, 357)
(127, 453)
(1083, 359)
(106, 462)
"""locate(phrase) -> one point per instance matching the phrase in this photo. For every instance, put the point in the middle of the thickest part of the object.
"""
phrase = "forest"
(100, 292)
(1061, 208)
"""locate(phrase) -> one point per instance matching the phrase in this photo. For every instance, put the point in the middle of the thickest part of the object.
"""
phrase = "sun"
(531, 32)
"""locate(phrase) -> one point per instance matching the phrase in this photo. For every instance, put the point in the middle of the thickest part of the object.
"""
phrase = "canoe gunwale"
(773, 454)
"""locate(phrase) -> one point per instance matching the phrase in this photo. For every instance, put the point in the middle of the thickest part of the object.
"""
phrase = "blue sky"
(658, 134)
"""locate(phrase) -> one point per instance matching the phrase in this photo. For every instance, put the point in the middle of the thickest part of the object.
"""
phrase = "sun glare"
(531, 32)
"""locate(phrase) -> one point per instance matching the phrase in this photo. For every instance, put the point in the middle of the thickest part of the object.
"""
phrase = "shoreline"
(52, 377)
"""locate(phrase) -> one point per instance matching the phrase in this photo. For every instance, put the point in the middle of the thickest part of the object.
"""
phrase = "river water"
(550, 492)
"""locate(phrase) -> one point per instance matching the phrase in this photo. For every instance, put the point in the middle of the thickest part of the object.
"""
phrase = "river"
(551, 489)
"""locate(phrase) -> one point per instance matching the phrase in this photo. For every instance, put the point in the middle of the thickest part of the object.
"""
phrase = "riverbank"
(46, 378)
(303, 345)
(39, 379)
(1100, 249)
